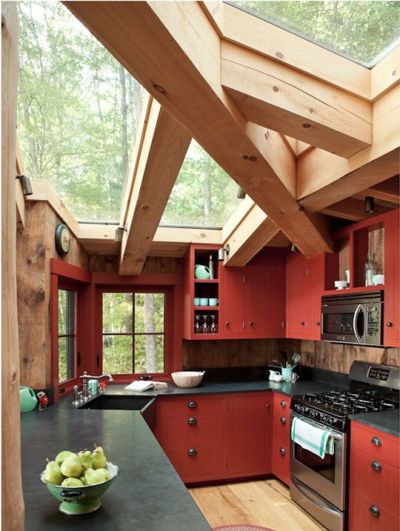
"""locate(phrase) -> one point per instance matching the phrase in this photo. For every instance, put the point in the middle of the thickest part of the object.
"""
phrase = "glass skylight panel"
(203, 195)
(77, 111)
(364, 31)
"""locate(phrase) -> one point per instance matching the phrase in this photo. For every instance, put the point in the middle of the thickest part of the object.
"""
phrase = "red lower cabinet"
(374, 480)
(281, 437)
(216, 437)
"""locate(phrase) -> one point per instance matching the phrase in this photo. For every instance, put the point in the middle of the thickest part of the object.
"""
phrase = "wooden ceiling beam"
(385, 75)
(294, 103)
(351, 209)
(19, 195)
(324, 179)
(161, 156)
(173, 50)
(386, 191)
(253, 233)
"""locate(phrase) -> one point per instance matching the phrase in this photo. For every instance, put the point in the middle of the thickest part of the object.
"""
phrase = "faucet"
(85, 379)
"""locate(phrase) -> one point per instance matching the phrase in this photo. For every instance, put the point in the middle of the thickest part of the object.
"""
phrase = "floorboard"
(265, 503)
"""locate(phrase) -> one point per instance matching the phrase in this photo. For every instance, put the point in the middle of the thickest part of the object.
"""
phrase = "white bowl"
(187, 378)
(340, 284)
(377, 280)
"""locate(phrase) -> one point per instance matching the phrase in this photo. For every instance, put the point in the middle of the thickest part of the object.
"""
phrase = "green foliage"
(360, 30)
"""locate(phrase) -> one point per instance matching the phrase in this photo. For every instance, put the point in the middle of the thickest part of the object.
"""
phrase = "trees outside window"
(66, 335)
(133, 332)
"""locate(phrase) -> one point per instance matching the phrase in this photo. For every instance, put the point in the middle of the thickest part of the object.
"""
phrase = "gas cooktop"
(369, 391)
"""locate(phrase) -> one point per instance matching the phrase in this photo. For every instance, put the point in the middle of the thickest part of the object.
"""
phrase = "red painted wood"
(180, 407)
(281, 437)
(295, 281)
(361, 519)
(281, 461)
(206, 465)
(363, 437)
(232, 303)
(349, 291)
(145, 279)
(63, 269)
(249, 434)
(391, 314)
(314, 284)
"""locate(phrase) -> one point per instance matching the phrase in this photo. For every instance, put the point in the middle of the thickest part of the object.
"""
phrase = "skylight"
(203, 195)
(364, 31)
(77, 111)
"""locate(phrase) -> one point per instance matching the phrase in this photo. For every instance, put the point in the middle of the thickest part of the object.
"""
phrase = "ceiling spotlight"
(369, 204)
(25, 184)
(223, 252)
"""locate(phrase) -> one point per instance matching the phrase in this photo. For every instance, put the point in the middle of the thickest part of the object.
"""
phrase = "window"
(66, 335)
(133, 332)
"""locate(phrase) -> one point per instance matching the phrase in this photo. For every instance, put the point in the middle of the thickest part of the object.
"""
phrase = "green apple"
(71, 467)
(99, 459)
(72, 482)
(52, 473)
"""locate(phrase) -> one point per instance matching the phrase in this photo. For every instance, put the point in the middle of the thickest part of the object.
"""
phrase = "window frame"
(167, 291)
(74, 335)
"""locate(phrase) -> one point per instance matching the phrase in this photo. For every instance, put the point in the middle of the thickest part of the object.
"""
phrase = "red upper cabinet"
(305, 281)
(253, 297)
(391, 312)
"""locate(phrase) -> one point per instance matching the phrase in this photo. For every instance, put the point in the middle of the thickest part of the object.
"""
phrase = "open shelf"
(349, 291)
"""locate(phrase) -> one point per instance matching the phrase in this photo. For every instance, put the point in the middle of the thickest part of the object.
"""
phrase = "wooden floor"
(265, 503)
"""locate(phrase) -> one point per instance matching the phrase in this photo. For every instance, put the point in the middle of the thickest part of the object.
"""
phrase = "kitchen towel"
(311, 438)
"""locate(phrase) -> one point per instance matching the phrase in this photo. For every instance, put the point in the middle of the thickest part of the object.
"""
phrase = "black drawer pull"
(282, 451)
(192, 421)
(374, 510)
(376, 441)
(192, 404)
(283, 420)
(192, 452)
(283, 403)
(375, 465)
(389, 324)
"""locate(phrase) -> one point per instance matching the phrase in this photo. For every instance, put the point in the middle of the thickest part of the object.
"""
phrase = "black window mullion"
(133, 332)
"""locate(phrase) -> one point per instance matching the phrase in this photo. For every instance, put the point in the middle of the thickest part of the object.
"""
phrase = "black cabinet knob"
(375, 465)
(283, 420)
(251, 323)
(302, 323)
(282, 451)
(317, 323)
(192, 404)
(192, 452)
(376, 441)
(374, 510)
(227, 323)
(283, 403)
(389, 324)
(192, 421)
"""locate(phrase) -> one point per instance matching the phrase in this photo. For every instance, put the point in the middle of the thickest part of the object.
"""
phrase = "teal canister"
(201, 272)
(93, 386)
(27, 399)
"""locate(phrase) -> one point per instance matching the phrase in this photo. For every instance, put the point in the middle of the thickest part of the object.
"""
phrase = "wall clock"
(62, 239)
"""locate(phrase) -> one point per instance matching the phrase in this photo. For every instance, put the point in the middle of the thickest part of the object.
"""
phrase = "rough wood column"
(12, 499)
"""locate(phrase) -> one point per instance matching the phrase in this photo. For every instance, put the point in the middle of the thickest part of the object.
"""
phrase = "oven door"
(327, 476)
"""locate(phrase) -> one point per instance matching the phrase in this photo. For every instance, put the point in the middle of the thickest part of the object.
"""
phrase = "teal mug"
(287, 374)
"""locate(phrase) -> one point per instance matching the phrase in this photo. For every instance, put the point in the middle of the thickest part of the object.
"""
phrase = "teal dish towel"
(311, 438)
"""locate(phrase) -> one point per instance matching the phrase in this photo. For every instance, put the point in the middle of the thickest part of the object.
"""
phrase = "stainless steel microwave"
(355, 318)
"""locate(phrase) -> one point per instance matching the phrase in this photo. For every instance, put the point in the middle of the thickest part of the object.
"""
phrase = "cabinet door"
(313, 286)
(391, 313)
(265, 295)
(231, 303)
(295, 283)
(249, 434)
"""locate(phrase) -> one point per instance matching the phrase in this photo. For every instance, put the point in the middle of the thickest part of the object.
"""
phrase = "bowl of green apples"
(78, 479)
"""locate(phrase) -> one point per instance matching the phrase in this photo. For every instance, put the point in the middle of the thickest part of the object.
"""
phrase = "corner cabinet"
(391, 312)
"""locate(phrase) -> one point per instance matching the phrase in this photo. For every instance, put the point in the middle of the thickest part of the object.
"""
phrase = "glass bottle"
(197, 325)
(205, 325)
(369, 269)
(211, 266)
(213, 325)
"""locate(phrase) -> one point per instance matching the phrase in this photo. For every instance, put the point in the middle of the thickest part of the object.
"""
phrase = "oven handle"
(358, 310)
(336, 435)
(312, 498)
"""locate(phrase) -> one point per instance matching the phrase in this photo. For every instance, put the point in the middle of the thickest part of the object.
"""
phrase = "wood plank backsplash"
(260, 352)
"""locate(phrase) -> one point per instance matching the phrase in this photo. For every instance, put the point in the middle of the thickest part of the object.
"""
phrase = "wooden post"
(12, 499)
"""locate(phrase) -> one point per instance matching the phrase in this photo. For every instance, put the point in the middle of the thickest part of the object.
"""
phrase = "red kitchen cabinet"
(374, 480)
(281, 437)
(305, 281)
(249, 434)
(253, 297)
(391, 313)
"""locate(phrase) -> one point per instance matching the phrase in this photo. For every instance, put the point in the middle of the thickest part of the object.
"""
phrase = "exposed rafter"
(387, 191)
(163, 149)
(294, 103)
(154, 41)
(351, 209)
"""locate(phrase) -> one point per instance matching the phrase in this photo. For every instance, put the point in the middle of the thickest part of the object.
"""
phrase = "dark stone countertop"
(148, 495)
(388, 421)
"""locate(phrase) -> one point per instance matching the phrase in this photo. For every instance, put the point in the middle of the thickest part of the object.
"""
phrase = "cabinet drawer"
(281, 427)
(193, 405)
(376, 479)
(375, 443)
(189, 430)
(365, 515)
(281, 404)
(197, 463)
(281, 461)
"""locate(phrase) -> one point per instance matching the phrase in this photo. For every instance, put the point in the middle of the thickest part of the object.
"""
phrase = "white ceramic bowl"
(187, 378)
(378, 280)
(340, 284)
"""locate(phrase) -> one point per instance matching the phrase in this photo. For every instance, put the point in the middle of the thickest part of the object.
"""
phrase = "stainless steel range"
(318, 484)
